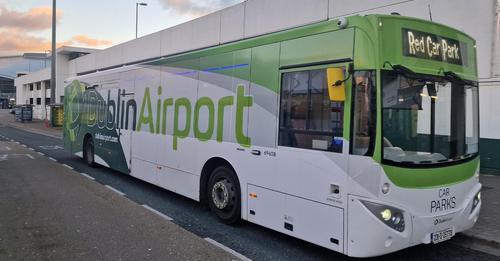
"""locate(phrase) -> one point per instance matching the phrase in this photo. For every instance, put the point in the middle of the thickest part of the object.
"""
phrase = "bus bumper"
(368, 236)
(459, 220)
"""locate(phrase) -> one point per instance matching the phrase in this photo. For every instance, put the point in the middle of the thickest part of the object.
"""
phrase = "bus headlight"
(475, 201)
(391, 216)
(385, 188)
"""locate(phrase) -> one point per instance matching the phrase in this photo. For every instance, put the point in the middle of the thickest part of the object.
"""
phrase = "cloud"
(35, 19)
(17, 28)
(196, 8)
(13, 41)
(90, 42)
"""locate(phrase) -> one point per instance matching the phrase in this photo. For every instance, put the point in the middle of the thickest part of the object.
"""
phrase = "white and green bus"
(358, 134)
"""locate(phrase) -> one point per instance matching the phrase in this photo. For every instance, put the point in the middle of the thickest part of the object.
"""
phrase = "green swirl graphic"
(72, 110)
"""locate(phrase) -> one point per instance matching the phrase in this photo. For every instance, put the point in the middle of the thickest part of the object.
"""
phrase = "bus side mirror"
(336, 86)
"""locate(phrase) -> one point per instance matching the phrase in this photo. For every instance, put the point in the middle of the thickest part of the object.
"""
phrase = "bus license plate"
(442, 235)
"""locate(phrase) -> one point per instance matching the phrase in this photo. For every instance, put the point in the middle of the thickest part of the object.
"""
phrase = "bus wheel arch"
(220, 190)
(88, 150)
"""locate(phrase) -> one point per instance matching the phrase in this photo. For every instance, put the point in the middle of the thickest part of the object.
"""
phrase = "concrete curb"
(35, 131)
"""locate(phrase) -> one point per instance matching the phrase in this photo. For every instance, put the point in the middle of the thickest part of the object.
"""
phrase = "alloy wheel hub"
(221, 194)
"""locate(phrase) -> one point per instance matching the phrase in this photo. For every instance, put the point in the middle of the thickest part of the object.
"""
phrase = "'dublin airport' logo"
(72, 110)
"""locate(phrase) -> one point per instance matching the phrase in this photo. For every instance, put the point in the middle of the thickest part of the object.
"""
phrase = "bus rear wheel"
(88, 152)
(224, 196)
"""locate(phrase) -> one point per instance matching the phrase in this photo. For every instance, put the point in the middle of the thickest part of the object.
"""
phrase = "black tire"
(224, 195)
(88, 152)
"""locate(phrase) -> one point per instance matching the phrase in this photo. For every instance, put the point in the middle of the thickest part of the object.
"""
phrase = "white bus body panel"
(315, 222)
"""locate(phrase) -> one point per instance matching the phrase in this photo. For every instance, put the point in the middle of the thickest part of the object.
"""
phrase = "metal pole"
(53, 60)
(430, 11)
(495, 58)
(136, 17)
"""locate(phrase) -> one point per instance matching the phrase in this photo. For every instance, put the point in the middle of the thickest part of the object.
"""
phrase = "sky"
(25, 25)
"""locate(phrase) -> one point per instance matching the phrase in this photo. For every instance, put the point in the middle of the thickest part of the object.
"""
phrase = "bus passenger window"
(364, 114)
(308, 119)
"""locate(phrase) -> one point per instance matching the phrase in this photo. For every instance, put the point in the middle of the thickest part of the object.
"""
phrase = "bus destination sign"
(433, 47)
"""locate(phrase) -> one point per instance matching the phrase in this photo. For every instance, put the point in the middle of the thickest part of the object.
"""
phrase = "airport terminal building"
(13, 66)
(34, 88)
(252, 18)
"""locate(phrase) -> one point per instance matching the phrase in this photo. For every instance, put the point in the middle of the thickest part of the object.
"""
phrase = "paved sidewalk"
(54, 213)
(486, 232)
(35, 126)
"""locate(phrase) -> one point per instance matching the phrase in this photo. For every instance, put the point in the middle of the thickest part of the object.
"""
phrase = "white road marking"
(87, 176)
(227, 249)
(51, 147)
(157, 212)
(50, 158)
(17, 142)
(67, 166)
(24, 145)
(7, 148)
(41, 153)
(115, 190)
(31, 149)
(5, 156)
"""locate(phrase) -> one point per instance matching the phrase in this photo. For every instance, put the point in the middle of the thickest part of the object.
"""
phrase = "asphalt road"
(53, 213)
(251, 240)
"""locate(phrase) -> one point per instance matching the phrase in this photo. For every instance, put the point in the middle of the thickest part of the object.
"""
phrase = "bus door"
(312, 132)
(311, 159)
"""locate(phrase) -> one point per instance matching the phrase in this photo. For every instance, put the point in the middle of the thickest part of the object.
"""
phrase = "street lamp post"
(137, 14)
(53, 57)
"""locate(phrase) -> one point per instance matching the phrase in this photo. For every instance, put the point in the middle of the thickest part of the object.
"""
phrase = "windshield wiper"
(468, 155)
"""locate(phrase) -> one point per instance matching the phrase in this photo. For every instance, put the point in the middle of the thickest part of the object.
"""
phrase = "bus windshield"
(428, 119)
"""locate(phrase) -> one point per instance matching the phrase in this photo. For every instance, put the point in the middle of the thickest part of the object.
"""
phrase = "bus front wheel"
(88, 152)
(224, 196)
